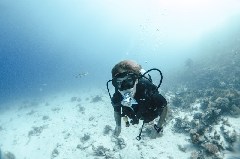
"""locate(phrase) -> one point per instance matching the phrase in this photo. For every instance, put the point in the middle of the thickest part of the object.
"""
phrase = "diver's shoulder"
(116, 97)
(145, 82)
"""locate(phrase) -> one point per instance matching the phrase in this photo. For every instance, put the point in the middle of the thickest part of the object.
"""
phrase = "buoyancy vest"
(145, 109)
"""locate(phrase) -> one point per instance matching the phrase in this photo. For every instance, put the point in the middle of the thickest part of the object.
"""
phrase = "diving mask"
(124, 81)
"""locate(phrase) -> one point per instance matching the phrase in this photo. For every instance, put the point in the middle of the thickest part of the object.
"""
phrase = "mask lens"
(127, 83)
(124, 83)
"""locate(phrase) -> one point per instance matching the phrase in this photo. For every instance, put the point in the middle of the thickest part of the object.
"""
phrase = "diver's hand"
(117, 131)
(153, 134)
(156, 131)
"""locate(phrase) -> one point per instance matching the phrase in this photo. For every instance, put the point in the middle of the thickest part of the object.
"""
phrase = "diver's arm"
(159, 126)
(162, 118)
(117, 112)
(117, 117)
(161, 103)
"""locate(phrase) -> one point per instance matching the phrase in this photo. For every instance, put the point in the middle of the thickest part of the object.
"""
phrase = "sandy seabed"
(79, 125)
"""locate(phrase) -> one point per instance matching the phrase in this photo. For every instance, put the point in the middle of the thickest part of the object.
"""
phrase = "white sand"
(63, 126)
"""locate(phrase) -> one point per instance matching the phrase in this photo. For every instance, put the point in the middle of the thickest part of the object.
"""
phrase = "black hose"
(159, 73)
(108, 90)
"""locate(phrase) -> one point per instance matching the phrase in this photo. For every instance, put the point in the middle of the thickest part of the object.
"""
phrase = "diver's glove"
(117, 131)
(134, 121)
(156, 131)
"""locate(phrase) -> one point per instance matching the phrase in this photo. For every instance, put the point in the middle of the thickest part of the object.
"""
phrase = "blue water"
(45, 44)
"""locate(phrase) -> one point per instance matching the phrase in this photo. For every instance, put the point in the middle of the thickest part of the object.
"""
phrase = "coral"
(216, 136)
(36, 131)
(107, 129)
(183, 99)
(85, 138)
(102, 151)
(55, 153)
(31, 112)
(198, 116)
(96, 99)
(81, 108)
(210, 148)
(91, 118)
(56, 109)
(235, 111)
(67, 135)
(181, 125)
(182, 148)
(197, 155)
(177, 101)
(79, 99)
(222, 103)
(216, 85)
(230, 137)
(211, 116)
(8, 155)
(73, 99)
(45, 117)
(119, 144)
(196, 138)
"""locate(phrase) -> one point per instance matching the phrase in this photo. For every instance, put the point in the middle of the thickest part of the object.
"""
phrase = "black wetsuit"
(150, 103)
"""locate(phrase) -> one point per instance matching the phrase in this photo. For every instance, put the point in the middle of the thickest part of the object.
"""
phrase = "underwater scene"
(129, 79)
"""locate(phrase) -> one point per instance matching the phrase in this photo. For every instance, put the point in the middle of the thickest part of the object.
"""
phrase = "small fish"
(80, 75)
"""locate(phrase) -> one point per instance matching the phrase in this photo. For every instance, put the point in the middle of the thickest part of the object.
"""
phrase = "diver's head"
(125, 74)
(125, 78)
(126, 66)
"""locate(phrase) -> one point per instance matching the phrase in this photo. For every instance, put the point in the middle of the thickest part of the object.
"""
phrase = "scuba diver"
(136, 97)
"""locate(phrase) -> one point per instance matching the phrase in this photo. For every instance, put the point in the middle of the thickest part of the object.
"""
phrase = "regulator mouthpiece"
(128, 99)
